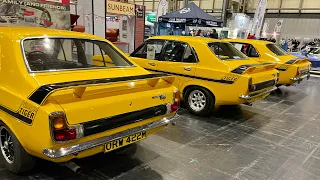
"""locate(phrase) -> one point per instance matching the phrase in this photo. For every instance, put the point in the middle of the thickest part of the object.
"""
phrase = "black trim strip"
(104, 124)
(281, 69)
(264, 85)
(39, 95)
(195, 77)
(15, 115)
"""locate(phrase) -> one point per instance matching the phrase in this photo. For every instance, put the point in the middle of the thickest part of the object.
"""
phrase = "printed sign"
(114, 7)
(162, 8)
(258, 17)
(151, 51)
(277, 27)
(41, 13)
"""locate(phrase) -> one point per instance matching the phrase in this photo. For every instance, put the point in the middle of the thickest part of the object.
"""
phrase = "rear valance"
(41, 94)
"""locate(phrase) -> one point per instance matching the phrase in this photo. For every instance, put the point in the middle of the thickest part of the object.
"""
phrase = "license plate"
(125, 141)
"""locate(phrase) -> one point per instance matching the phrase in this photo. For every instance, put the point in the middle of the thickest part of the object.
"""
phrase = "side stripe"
(195, 77)
(15, 115)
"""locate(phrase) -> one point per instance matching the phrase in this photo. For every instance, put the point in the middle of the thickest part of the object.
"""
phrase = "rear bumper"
(74, 149)
(300, 78)
(248, 97)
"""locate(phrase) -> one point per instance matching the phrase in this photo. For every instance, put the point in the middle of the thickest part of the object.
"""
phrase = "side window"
(189, 56)
(152, 49)
(174, 51)
(138, 51)
(246, 49)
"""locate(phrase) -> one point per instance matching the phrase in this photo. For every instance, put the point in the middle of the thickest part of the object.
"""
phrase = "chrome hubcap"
(197, 100)
(6, 145)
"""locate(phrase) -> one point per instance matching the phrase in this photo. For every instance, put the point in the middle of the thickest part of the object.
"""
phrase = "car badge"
(130, 103)
(161, 97)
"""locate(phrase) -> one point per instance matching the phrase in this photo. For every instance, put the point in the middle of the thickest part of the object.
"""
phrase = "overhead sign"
(258, 17)
(151, 17)
(114, 7)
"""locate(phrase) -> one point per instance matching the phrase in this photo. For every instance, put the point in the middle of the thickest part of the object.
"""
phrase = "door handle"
(152, 64)
(187, 68)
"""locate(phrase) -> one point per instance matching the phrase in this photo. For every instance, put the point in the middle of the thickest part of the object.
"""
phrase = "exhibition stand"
(191, 15)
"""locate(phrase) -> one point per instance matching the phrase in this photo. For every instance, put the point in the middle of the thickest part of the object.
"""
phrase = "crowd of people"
(294, 45)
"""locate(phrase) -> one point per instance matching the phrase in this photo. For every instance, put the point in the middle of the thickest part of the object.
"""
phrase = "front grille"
(104, 124)
(263, 85)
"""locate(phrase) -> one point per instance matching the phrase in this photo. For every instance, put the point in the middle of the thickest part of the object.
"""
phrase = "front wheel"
(199, 101)
(14, 157)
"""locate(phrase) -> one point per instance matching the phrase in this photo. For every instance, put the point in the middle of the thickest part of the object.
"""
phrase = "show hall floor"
(276, 138)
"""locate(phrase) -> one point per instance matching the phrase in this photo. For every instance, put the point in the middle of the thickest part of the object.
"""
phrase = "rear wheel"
(199, 101)
(14, 157)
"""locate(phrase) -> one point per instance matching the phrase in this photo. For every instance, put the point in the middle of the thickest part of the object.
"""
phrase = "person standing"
(214, 34)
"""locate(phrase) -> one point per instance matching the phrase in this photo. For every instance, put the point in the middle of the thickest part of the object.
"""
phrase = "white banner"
(277, 27)
(258, 17)
(162, 8)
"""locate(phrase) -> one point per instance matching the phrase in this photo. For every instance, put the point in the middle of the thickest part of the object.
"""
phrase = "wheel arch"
(197, 86)
(10, 126)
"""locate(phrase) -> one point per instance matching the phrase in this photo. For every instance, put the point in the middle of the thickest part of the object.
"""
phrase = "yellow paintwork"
(211, 67)
(286, 71)
(97, 102)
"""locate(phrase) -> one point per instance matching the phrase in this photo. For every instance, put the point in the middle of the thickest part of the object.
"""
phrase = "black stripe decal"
(15, 114)
(195, 77)
(281, 69)
(42, 92)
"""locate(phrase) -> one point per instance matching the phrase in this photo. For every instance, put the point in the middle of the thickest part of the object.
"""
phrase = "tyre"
(13, 155)
(199, 101)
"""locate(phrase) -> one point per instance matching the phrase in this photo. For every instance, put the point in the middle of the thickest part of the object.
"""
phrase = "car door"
(249, 50)
(148, 54)
(178, 58)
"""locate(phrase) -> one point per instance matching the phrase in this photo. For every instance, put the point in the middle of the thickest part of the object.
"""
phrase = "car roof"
(187, 38)
(18, 32)
(251, 41)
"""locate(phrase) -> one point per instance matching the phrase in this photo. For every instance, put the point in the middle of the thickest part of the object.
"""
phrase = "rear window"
(58, 54)
(276, 50)
(226, 51)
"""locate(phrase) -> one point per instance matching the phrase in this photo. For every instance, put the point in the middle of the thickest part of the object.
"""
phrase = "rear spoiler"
(249, 68)
(296, 60)
(40, 95)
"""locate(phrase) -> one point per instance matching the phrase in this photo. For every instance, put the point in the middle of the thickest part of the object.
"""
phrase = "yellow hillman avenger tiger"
(208, 72)
(67, 95)
(291, 69)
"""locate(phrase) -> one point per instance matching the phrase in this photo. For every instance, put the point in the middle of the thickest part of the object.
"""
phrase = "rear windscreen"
(226, 51)
(276, 50)
(57, 54)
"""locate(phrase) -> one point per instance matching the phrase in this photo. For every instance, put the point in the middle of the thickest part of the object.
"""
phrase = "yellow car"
(58, 104)
(208, 72)
(291, 69)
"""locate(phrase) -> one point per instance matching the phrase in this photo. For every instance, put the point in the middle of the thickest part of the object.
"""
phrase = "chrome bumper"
(299, 79)
(248, 97)
(66, 151)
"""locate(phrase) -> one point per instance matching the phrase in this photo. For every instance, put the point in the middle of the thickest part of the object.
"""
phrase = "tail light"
(176, 101)
(61, 131)
(298, 71)
(251, 87)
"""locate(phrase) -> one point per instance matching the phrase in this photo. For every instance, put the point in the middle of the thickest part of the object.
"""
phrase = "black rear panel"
(263, 85)
(101, 125)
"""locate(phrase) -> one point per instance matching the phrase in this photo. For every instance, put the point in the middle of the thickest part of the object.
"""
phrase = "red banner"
(57, 1)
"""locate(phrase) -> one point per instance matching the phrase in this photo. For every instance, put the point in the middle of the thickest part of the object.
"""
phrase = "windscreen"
(58, 54)
(276, 50)
(226, 51)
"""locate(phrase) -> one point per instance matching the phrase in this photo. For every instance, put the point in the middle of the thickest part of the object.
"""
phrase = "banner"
(41, 13)
(258, 17)
(114, 7)
(277, 27)
(162, 8)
